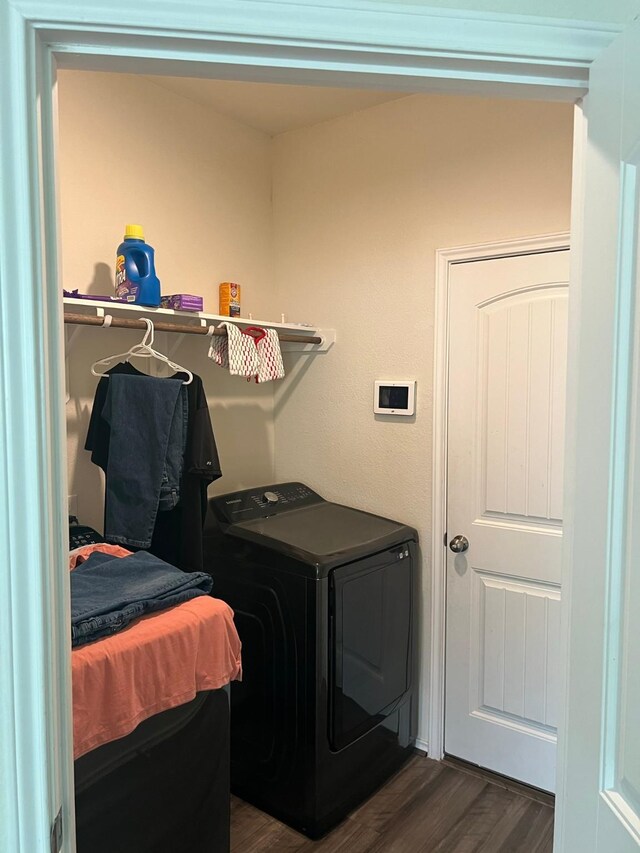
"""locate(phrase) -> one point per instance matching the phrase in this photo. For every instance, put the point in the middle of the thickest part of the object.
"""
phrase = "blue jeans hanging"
(148, 419)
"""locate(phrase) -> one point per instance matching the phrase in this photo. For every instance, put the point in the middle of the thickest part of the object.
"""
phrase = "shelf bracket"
(328, 340)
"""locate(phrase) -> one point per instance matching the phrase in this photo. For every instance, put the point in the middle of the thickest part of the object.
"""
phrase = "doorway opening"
(327, 204)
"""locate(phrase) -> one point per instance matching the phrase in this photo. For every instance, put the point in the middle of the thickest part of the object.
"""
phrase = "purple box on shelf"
(183, 302)
(74, 294)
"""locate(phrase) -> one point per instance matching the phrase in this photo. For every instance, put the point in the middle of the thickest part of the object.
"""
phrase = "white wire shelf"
(196, 322)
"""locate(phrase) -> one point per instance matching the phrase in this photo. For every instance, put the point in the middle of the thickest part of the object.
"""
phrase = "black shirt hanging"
(177, 536)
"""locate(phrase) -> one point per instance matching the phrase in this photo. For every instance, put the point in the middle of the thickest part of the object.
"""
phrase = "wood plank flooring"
(428, 807)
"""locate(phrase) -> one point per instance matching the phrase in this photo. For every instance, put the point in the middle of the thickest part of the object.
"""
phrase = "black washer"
(325, 605)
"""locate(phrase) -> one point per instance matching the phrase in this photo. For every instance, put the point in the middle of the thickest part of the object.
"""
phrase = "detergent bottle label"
(121, 275)
(125, 289)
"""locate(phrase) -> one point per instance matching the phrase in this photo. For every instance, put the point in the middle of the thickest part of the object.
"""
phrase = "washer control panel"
(262, 502)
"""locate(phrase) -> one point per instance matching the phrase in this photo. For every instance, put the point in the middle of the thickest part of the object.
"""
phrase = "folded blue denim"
(107, 593)
(147, 417)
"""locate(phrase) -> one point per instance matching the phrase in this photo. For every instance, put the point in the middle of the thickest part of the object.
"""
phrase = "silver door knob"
(459, 544)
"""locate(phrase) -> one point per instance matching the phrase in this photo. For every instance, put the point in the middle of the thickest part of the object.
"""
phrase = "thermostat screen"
(393, 397)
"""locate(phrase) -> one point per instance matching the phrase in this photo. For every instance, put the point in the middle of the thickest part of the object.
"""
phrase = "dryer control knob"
(270, 498)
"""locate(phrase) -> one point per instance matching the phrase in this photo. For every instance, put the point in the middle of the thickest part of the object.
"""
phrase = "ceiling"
(272, 107)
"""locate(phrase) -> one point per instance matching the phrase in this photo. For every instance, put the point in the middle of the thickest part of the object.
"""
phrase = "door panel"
(521, 386)
(517, 631)
(507, 390)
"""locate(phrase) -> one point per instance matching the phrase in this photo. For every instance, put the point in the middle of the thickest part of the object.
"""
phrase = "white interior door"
(507, 392)
(599, 811)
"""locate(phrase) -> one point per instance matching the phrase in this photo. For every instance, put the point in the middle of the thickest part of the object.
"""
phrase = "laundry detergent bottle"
(136, 279)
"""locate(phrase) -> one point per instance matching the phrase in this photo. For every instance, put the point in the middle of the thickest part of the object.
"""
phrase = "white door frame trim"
(367, 44)
(433, 709)
(577, 216)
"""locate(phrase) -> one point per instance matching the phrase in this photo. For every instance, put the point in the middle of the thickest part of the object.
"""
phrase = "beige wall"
(360, 206)
(335, 224)
(201, 185)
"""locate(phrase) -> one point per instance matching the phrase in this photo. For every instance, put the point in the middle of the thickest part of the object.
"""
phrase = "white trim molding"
(369, 44)
(365, 44)
(433, 709)
(580, 128)
(36, 770)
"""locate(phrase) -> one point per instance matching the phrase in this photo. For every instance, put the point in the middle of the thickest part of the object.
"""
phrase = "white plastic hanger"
(142, 350)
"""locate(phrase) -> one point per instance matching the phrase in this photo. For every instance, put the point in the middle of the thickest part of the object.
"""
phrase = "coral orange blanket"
(158, 662)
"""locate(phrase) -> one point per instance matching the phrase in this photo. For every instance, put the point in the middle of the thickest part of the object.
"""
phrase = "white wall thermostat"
(394, 398)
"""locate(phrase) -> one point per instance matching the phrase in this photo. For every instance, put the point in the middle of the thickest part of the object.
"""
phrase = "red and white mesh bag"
(268, 348)
(236, 351)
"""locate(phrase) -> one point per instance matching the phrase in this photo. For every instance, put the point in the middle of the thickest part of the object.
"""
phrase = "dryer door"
(370, 642)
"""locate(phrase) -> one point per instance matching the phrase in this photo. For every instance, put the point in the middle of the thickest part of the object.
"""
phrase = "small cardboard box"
(229, 299)
(183, 302)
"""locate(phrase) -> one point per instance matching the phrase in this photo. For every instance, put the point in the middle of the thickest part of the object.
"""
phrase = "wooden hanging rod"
(162, 326)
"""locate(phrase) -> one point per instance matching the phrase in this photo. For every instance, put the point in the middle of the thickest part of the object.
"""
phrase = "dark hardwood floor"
(428, 807)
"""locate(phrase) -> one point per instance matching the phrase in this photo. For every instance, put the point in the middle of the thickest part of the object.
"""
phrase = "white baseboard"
(422, 744)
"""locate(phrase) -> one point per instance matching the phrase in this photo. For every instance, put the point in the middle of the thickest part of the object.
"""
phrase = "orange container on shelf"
(229, 299)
